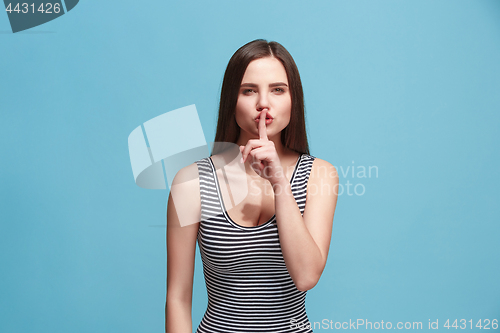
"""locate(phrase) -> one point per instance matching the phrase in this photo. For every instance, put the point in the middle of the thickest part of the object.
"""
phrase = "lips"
(268, 116)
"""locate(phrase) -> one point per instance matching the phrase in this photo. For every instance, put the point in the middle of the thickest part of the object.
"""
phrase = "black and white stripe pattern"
(249, 288)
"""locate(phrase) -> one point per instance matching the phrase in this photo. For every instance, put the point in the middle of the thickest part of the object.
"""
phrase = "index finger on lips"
(262, 125)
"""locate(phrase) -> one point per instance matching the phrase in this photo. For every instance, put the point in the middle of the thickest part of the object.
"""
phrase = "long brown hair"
(293, 136)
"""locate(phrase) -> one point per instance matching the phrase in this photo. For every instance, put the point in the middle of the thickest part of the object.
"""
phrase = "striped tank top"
(248, 285)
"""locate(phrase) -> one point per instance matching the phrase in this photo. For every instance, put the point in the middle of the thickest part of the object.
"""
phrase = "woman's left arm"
(305, 239)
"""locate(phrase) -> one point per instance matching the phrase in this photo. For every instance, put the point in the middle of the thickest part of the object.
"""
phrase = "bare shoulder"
(187, 175)
(185, 195)
(323, 171)
(321, 198)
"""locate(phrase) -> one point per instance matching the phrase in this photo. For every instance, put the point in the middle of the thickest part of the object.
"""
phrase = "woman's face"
(264, 86)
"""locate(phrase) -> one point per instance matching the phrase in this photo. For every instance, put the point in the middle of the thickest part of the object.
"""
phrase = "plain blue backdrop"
(409, 87)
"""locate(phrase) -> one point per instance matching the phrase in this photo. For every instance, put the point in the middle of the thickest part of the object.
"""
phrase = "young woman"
(264, 249)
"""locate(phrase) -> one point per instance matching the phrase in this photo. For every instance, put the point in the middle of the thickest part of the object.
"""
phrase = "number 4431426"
(484, 324)
(47, 8)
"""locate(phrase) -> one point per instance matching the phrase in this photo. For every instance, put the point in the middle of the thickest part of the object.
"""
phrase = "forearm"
(178, 316)
(302, 255)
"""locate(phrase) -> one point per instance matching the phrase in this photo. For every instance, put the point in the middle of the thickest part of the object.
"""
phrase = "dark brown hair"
(293, 136)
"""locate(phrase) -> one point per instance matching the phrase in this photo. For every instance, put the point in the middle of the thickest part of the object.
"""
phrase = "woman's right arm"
(183, 216)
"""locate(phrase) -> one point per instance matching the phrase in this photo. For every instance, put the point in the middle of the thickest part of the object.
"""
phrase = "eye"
(279, 90)
(247, 91)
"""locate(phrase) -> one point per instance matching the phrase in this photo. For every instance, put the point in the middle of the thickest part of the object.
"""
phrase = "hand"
(265, 160)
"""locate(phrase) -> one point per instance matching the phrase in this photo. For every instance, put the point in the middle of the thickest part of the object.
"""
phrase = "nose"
(262, 102)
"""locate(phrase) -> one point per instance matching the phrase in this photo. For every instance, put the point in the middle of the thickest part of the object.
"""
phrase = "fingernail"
(241, 160)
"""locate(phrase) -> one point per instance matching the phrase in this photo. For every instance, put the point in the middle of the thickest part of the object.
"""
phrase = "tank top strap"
(210, 206)
(301, 179)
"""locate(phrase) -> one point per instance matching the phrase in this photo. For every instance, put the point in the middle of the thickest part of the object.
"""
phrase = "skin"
(264, 89)
(304, 239)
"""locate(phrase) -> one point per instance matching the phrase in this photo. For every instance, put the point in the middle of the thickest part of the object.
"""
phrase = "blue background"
(411, 87)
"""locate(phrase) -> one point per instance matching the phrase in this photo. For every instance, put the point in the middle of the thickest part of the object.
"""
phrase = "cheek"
(288, 115)
(240, 113)
(243, 107)
(287, 111)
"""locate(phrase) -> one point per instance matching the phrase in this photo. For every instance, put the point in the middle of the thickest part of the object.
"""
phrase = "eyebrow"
(276, 84)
